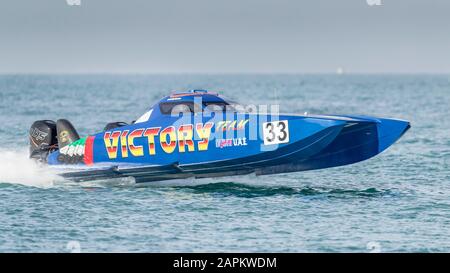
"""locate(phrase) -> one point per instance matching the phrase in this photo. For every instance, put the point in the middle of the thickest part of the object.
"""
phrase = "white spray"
(17, 168)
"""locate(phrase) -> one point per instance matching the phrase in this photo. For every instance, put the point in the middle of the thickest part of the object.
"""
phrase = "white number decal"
(276, 132)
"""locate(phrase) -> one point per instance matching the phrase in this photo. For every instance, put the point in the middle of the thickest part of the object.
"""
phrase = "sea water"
(398, 201)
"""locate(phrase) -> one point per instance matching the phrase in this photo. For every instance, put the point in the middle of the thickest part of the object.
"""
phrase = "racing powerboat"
(201, 134)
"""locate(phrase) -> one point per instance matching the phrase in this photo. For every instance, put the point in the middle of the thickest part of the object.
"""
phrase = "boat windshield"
(175, 108)
(218, 107)
(145, 117)
(168, 108)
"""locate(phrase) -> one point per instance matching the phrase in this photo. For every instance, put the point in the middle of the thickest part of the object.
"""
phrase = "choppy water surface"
(398, 201)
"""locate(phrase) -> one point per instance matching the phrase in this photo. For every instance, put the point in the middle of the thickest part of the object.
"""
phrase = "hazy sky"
(224, 36)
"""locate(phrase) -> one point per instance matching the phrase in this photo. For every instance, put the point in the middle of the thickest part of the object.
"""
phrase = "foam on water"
(17, 168)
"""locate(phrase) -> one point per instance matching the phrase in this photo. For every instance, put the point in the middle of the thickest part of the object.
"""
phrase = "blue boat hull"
(356, 142)
(315, 142)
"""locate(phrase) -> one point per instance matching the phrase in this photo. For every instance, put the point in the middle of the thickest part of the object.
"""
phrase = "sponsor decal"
(150, 133)
(38, 134)
(232, 125)
(184, 139)
(204, 132)
(135, 150)
(63, 136)
(185, 135)
(80, 151)
(170, 139)
(75, 148)
(231, 142)
(111, 143)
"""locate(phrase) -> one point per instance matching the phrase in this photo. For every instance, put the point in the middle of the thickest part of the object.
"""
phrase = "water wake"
(17, 168)
(250, 191)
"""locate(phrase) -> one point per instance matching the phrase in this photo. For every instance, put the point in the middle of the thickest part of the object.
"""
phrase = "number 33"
(276, 132)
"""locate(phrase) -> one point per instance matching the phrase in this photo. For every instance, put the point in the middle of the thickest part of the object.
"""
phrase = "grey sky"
(224, 36)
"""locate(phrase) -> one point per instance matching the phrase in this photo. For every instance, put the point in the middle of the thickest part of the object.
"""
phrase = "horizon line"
(216, 73)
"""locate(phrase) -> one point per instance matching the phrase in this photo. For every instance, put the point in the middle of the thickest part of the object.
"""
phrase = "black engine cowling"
(42, 139)
(47, 136)
(66, 133)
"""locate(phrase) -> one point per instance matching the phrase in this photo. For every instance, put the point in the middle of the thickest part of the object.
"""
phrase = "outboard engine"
(47, 136)
(67, 136)
(66, 133)
(42, 139)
